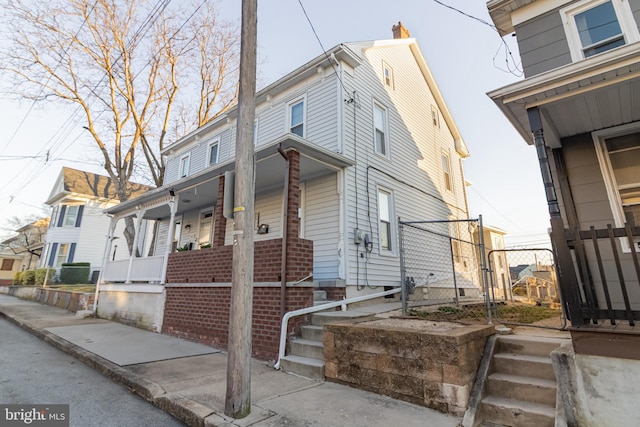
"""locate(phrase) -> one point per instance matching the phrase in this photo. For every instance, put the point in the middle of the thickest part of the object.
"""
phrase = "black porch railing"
(607, 272)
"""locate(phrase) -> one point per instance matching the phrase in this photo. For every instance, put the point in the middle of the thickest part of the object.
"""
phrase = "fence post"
(403, 273)
(483, 264)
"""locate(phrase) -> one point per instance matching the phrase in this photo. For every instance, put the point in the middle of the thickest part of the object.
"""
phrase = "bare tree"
(26, 234)
(140, 72)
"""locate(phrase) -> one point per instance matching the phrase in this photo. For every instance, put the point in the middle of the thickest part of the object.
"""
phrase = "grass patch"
(511, 313)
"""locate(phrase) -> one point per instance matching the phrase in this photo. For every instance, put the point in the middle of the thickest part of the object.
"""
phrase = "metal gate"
(443, 268)
(525, 279)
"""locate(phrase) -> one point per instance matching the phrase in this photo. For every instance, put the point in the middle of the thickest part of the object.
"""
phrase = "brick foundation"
(201, 313)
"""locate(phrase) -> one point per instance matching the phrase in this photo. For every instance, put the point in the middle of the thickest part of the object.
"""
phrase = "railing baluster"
(587, 285)
(634, 254)
(623, 286)
(603, 277)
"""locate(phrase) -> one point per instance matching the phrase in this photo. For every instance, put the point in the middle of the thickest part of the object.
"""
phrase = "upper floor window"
(214, 149)
(70, 215)
(596, 26)
(184, 165)
(296, 117)
(380, 129)
(446, 172)
(387, 74)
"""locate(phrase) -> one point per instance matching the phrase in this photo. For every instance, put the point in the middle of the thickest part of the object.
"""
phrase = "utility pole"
(238, 397)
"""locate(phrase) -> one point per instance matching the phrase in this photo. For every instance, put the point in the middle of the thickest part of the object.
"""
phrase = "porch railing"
(608, 273)
(143, 269)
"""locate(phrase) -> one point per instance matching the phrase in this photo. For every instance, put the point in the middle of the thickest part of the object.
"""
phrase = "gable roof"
(90, 185)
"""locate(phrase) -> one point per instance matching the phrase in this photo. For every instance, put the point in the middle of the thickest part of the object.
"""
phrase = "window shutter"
(79, 217)
(52, 221)
(72, 252)
(52, 254)
(63, 210)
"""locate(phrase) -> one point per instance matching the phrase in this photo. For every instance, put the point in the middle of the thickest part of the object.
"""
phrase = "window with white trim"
(297, 117)
(387, 75)
(385, 227)
(184, 165)
(381, 138)
(619, 158)
(596, 26)
(63, 253)
(446, 172)
(205, 229)
(71, 216)
(214, 152)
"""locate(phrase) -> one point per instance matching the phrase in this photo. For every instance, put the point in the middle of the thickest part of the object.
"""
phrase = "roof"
(81, 183)
(500, 12)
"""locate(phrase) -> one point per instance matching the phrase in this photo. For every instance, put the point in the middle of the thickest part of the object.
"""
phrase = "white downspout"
(172, 207)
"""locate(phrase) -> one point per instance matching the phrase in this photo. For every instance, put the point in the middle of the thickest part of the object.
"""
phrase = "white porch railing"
(143, 269)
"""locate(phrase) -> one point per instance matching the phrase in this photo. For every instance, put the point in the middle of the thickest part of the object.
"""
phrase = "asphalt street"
(33, 372)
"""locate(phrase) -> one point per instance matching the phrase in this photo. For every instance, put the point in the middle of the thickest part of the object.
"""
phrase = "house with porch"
(27, 244)
(78, 226)
(579, 105)
(344, 145)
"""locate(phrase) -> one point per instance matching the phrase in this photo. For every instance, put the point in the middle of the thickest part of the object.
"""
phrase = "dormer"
(555, 33)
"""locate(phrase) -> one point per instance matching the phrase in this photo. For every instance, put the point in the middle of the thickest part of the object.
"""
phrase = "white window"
(618, 153)
(184, 165)
(387, 75)
(385, 227)
(205, 232)
(214, 150)
(63, 253)
(380, 129)
(296, 117)
(71, 216)
(446, 172)
(596, 26)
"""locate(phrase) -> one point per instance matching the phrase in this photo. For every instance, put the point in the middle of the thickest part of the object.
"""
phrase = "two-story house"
(344, 145)
(579, 104)
(27, 244)
(78, 224)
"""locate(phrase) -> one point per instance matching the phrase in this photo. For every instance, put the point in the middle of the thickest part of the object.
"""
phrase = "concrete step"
(312, 332)
(518, 387)
(323, 318)
(511, 412)
(522, 344)
(307, 348)
(523, 365)
(303, 366)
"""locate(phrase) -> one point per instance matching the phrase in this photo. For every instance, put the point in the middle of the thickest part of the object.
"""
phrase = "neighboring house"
(579, 104)
(28, 243)
(10, 264)
(344, 145)
(78, 225)
(498, 263)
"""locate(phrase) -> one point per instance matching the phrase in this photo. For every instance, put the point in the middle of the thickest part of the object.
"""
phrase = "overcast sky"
(467, 58)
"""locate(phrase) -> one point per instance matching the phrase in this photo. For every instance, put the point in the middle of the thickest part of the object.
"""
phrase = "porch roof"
(200, 190)
(593, 94)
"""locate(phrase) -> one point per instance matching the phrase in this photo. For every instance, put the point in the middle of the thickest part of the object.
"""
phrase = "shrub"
(28, 278)
(75, 272)
(41, 273)
(17, 278)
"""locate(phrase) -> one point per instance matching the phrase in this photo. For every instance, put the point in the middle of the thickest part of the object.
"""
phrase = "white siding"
(322, 216)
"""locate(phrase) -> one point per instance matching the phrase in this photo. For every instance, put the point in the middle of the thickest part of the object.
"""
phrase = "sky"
(466, 56)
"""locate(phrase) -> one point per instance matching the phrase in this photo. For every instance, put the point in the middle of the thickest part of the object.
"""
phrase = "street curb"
(186, 410)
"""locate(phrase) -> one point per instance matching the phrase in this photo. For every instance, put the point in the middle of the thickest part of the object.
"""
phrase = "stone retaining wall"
(424, 362)
(69, 300)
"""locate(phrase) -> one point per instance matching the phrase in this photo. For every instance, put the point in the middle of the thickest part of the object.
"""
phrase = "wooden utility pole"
(238, 397)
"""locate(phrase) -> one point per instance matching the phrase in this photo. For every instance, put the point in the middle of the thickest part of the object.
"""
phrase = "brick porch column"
(220, 224)
(293, 222)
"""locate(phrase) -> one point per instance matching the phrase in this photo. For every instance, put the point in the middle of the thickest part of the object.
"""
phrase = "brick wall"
(213, 265)
(202, 314)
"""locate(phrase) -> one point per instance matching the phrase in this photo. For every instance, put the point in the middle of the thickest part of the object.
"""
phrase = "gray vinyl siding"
(635, 8)
(542, 43)
(322, 114)
(593, 208)
(321, 224)
(413, 171)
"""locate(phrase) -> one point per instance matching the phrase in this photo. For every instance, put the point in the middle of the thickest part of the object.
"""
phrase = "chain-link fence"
(442, 270)
(523, 288)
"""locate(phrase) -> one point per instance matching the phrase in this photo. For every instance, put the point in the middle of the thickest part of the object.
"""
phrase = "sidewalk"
(188, 380)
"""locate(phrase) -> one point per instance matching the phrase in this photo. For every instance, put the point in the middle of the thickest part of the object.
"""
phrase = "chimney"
(400, 32)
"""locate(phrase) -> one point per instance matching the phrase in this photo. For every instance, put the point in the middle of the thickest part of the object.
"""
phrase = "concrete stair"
(307, 352)
(520, 390)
